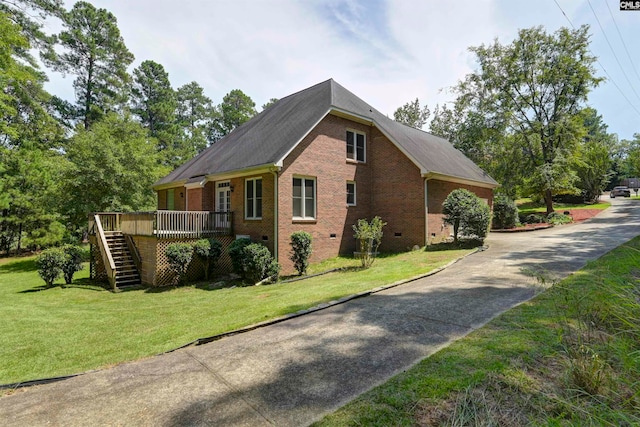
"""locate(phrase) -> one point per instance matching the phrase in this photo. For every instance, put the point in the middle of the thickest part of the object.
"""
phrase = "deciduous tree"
(113, 165)
(531, 92)
(411, 114)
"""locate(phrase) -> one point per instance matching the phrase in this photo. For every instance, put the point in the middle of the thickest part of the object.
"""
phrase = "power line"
(622, 40)
(600, 64)
(613, 51)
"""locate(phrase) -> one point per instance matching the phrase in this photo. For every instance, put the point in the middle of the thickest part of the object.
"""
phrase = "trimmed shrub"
(505, 213)
(179, 256)
(369, 236)
(300, 251)
(73, 257)
(533, 219)
(467, 213)
(49, 264)
(557, 218)
(237, 255)
(209, 251)
(259, 264)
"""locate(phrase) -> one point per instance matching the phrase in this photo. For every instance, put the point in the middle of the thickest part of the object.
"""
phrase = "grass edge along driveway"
(569, 356)
(62, 331)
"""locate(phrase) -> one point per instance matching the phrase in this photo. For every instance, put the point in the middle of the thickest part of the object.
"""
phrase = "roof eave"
(459, 180)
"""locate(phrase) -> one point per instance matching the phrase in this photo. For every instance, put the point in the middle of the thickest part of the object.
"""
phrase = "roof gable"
(271, 135)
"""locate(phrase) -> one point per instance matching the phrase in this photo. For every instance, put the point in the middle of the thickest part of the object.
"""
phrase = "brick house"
(318, 160)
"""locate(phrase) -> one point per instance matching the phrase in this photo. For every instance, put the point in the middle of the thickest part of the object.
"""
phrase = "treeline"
(60, 159)
(522, 115)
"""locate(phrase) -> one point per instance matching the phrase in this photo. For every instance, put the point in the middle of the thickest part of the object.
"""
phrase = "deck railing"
(167, 224)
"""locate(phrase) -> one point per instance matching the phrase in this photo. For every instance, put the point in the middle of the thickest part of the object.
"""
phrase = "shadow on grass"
(23, 266)
(84, 284)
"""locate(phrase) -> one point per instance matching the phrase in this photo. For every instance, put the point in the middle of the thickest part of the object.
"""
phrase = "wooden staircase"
(126, 272)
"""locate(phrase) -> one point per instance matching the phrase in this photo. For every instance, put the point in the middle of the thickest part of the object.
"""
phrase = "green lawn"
(526, 206)
(570, 356)
(59, 331)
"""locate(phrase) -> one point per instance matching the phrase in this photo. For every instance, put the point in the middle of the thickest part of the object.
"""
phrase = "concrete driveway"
(294, 372)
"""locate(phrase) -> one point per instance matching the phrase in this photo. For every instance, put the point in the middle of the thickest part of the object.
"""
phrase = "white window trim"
(246, 199)
(355, 145)
(315, 198)
(355, 194)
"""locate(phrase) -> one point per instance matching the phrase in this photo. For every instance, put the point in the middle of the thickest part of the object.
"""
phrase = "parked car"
(620, 191)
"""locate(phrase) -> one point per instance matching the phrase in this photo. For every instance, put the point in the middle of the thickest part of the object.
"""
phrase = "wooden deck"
(166, 224)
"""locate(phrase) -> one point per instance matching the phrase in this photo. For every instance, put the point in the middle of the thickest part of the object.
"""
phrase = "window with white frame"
(304, 198)
(351, 193)
(253, 198)
(356, 146)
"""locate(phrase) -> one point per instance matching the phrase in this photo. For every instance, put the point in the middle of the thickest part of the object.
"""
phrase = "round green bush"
(209, 251)
(179, 256)
(259, 264)
(50, 263)
(300, 251)
(557, 218)
(467, 213)
(237, 255)
(73, 257)
(505, 213)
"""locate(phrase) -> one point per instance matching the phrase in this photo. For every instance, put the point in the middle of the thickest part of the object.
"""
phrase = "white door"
(223, 204)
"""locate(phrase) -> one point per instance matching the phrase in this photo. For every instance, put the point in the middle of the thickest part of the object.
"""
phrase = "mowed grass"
(570, 356)
(526, 206)
(61, 331)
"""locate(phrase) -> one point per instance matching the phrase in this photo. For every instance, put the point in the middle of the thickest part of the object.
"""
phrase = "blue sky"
(386, 52)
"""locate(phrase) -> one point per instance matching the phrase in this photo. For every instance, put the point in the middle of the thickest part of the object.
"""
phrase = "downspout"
(275, 214)
(426, 213)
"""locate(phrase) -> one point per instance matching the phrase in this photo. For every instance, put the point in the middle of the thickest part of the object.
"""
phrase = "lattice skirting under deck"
(155, 266)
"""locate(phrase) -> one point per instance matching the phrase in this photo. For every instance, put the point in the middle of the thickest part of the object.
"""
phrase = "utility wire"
(626, 49)
(600, 63)
(613, 51)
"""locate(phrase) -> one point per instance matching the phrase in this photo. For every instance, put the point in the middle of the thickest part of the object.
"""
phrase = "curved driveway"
(294, 372)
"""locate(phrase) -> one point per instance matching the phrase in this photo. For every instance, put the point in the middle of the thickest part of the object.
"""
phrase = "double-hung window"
(304, 198)
(351, 193)
(356, 146)
(253, 198)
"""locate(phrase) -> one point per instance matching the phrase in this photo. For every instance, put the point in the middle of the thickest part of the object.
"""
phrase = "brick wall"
(437, 192)
(398, 195)
(194, 199)
(257, 229)
(179, 201)
(322, 155)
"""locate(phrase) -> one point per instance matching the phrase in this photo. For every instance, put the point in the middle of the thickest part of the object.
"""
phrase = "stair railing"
(107, 259)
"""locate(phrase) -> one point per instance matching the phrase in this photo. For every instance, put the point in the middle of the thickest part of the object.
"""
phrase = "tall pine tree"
(95, 53)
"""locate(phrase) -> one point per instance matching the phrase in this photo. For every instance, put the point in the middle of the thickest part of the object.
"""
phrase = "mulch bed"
(577, 215)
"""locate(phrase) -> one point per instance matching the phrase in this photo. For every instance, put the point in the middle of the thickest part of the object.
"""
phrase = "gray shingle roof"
(269, 136)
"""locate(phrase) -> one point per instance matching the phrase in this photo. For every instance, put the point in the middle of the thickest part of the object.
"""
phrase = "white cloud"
(387, 52)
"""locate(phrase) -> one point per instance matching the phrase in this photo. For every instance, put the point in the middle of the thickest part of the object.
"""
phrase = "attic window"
(356, 146)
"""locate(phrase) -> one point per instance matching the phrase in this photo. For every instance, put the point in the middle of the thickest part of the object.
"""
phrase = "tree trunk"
(456, 226)
(548, 200)
(18, 248)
